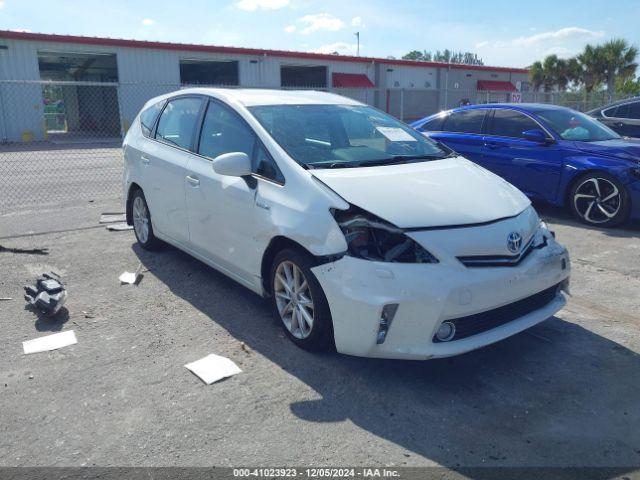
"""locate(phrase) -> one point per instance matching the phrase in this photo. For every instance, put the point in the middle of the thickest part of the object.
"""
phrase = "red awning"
(496, 86)
(351, 80)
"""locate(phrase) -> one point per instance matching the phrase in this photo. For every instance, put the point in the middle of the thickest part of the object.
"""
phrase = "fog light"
(446, 331)
(388, 312)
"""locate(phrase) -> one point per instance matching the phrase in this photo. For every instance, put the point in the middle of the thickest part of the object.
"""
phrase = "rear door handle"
(193, 181)
(492, 145)
(145, 160)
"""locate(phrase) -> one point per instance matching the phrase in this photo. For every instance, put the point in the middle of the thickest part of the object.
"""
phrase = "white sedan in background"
(364, 234)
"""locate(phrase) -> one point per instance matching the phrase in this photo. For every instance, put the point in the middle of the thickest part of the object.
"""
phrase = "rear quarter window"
(433, 125)
(148, 118)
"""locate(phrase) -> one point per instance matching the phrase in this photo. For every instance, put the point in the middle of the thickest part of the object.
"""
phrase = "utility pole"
(357, 34)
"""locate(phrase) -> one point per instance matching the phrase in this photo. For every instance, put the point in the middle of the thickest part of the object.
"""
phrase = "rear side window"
(177, 123)
(610, 112)
(148, 118)
(465, 121)
(433, 125)
(509, 123)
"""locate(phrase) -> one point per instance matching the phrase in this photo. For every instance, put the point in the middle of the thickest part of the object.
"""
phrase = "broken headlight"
(371, 238)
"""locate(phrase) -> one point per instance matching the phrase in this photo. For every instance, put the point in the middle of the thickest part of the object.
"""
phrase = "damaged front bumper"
(427, 295)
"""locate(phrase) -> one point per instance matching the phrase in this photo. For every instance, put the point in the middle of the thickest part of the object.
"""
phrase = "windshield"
(340, 136)
(572, 125)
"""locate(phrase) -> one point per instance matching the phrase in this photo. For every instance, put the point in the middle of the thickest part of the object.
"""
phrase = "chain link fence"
(61, 141)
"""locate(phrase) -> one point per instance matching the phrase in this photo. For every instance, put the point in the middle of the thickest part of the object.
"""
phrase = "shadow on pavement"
(557, 395)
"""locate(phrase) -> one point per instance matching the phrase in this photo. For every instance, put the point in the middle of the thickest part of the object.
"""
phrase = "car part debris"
(213, 368)
(131, 278)
(118, 217)
(119, 227)
(28, 251)
(245, 347)
(372, 238)
(48, 295)
(50, 342)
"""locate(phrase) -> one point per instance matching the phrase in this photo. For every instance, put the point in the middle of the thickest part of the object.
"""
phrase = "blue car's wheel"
(599, 199)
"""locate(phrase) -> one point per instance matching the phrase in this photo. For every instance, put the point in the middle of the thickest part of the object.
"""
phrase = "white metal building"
(103, 82)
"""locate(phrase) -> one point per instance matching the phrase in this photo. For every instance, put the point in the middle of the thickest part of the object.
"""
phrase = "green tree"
(554, 72)
(537, 75)
(413, 55)
(445, 56)
(618, 61)
(591, 68)
(628, 86)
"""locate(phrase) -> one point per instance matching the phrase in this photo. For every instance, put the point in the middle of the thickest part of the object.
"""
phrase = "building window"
(205, 72)
(297, 76)
(78, 67)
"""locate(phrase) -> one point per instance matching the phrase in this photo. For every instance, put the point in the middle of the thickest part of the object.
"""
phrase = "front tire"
(600, 200)
(142, 226)
(298, 301)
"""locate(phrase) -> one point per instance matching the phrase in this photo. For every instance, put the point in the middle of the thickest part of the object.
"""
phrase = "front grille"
(502, 260)
(484, 321)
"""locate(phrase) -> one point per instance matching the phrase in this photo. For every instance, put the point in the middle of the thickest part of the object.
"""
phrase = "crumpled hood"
(452, 191)
(619, 148)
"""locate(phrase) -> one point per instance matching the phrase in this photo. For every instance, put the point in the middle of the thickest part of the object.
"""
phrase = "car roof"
(525, 107)
(250, 97)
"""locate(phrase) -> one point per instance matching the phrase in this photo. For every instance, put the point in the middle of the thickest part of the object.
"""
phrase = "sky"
(501, 32)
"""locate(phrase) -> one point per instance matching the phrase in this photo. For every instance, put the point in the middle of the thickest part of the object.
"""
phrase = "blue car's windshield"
(340, 136)
(576, 126)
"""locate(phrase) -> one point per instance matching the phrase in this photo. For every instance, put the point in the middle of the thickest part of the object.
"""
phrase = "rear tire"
(600, 200)
(142, 225)
(298, 301)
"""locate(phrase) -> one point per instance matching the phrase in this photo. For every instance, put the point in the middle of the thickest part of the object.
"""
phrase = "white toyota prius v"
(365, 235)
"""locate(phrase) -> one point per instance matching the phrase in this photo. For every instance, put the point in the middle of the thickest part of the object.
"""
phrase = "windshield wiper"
(400, 159)
(314, 165)
(396, 159)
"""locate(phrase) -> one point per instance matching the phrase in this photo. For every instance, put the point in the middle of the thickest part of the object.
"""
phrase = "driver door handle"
(145, 160)
(194, 181)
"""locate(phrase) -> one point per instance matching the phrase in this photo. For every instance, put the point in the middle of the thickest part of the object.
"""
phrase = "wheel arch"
(279, 243)
(134, 187)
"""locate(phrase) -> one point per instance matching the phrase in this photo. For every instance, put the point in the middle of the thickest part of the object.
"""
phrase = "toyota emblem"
(514, 242)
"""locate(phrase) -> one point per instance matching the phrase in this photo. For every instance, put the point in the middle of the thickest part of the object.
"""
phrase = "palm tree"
(537, 75)
(553, 72)
(619, 60)
(591, 68)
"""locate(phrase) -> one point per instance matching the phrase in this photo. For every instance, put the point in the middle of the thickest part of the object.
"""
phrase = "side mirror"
(536, 135)
(234, 164)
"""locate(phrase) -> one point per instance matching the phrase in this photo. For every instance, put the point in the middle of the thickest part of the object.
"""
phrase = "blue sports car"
(551, 153)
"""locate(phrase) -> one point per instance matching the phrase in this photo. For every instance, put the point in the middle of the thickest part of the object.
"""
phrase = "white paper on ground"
(395, 134)
(119, 227)
(213, 367)
(113, 217)
(131, 278)
(50, 342)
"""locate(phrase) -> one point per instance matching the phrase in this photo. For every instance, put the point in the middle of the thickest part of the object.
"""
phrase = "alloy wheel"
(293, 299)
(141, 219)
(597, 200)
